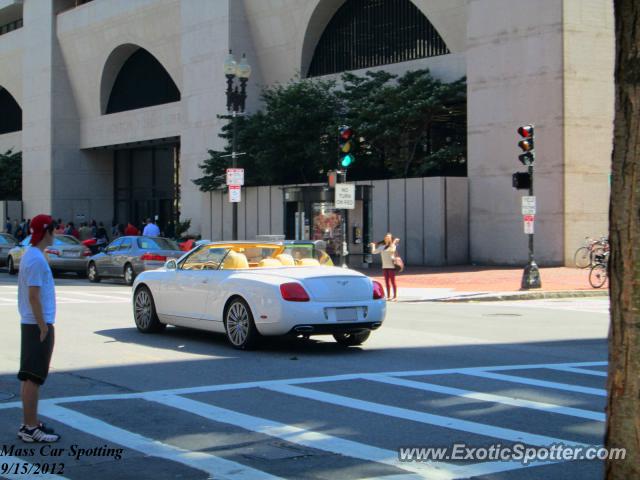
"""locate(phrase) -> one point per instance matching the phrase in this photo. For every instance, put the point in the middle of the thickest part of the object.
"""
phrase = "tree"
(414, 125)
(11, 177)
(623, 383)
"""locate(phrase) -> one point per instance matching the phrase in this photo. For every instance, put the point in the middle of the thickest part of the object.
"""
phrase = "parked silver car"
(7, 242)
(66, 254)
(126, 257)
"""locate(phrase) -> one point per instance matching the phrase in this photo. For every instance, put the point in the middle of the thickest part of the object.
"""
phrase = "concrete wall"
(515, 77)
(589, 58)
(430, 215)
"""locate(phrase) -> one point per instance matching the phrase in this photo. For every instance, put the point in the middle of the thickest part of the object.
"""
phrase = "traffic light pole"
(531, 274)
(234, 164)
(344, 252)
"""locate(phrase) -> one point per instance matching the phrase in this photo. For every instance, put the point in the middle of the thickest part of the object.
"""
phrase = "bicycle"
(585, 255)
(598, 275)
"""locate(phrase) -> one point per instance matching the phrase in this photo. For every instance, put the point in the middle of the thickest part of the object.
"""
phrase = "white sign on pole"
(235, 176)
(528, 224)
(235, 194)
(345, 196)
(528, 205)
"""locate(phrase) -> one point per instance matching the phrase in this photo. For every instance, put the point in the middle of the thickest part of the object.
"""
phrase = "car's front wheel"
(92, 273)
(129, 274)
(144, 312)
(11, 266)
(239, 325)
(352, 339)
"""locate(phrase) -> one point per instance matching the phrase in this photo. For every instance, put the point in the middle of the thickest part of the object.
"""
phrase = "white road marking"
(582, 371)
(422, 417)
(575, 305)
(217, 467)
(488, 397)
(9, 460)
(538, 383)
(304, 380)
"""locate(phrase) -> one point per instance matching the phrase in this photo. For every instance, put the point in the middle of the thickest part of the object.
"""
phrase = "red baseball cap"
(38, 226)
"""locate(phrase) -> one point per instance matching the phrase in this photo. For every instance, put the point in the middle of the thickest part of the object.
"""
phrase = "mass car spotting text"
(74, 451)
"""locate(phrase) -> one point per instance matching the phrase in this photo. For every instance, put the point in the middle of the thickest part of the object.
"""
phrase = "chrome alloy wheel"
(128, 275)
(238, 323)
(143, 309)
(93, 272)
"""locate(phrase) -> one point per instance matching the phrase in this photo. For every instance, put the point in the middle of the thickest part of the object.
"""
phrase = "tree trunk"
(623, 384)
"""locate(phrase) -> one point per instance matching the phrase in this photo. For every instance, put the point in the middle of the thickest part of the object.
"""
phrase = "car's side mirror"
(171, 265)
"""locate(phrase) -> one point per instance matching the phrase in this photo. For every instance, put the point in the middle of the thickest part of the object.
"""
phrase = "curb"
(523, 296)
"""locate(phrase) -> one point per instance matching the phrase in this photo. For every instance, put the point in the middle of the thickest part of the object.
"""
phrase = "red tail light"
(153, 257)
(378, 291)
(86, 252)
(52, 251)
(294, 292)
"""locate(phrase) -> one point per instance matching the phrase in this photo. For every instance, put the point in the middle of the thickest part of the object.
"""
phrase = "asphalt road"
(184, 404)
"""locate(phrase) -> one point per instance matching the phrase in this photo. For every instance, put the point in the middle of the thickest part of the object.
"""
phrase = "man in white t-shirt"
(151, 229)
(37, 307)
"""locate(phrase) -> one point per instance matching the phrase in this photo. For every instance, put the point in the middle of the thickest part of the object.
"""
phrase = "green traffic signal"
(347, 160)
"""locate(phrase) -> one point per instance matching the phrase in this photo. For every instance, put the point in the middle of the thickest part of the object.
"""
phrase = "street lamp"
(235, 104)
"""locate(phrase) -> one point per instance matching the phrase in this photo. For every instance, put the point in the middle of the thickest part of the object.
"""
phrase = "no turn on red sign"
(529, 220)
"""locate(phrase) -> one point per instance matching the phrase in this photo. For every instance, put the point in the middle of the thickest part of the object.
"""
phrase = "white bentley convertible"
(248, 290)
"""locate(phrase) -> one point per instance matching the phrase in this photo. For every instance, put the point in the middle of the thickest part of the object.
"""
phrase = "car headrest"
(286, 259)
(235, 260)
(307, 262)
(269, 262)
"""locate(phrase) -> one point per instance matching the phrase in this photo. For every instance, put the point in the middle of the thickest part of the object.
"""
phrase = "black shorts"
(35, 355)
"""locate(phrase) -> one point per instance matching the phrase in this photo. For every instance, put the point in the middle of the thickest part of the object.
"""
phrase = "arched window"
(10, 113)
(368, 33)
(141, 82)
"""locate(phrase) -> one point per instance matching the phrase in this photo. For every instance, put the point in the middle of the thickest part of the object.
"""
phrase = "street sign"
(235, 176)
(235, 194)
(528, 205)
(345, 196)
(528, 224)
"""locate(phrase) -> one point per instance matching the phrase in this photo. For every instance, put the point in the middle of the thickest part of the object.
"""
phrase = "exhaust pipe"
(303, 329)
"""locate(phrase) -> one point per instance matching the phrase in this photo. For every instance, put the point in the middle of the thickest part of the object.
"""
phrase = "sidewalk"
(465, 283)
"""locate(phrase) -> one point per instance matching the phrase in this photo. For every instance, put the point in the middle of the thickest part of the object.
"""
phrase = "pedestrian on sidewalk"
(151, 229)
(37, 307)
(387, 251)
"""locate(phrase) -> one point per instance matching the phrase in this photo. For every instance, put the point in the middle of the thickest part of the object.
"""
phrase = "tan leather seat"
(235, 261)
(308, 262)
(269, 262)
(286, 259)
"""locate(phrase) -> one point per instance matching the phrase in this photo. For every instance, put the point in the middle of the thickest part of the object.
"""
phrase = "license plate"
(70, 254)
(346, 314)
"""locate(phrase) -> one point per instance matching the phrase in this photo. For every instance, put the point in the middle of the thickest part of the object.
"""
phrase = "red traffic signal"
(526, 131)
(346, 133)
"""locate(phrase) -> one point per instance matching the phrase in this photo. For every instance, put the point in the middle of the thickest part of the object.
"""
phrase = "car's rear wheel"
(11, 266)
(92, 273)
(352, 338)
(144, 312)
(239, 325)
(129, 274)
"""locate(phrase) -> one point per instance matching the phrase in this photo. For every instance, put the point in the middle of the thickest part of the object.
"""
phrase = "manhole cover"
(502, 315)
(4, 396)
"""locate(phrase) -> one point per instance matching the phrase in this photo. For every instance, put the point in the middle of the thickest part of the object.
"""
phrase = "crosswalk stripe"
(9, 460)
(488, 397)
(422, 417)
(340, 446)
(538, 383)
(217, 467)
(582, 371)
(300, 436)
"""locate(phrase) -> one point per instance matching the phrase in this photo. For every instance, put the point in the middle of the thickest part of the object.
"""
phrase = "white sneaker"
(37, 434)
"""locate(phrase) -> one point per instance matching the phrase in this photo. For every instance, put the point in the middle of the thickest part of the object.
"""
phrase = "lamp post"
(236, 97)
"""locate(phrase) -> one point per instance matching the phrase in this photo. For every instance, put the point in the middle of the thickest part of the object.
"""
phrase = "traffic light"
(346, 145)
(521, 180)
(527, 145)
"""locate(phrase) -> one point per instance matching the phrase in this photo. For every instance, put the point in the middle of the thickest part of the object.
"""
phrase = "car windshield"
(157, 243)
(6, 239)
(300, 251)
(65, 240)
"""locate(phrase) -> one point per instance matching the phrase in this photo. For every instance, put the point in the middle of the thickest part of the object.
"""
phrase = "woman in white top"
(387, 251)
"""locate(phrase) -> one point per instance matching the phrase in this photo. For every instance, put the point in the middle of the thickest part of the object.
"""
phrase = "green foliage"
(182, 227)
(11, 175)
(413, 125)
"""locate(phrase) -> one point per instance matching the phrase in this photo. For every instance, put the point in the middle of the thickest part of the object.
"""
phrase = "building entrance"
(147, 185)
